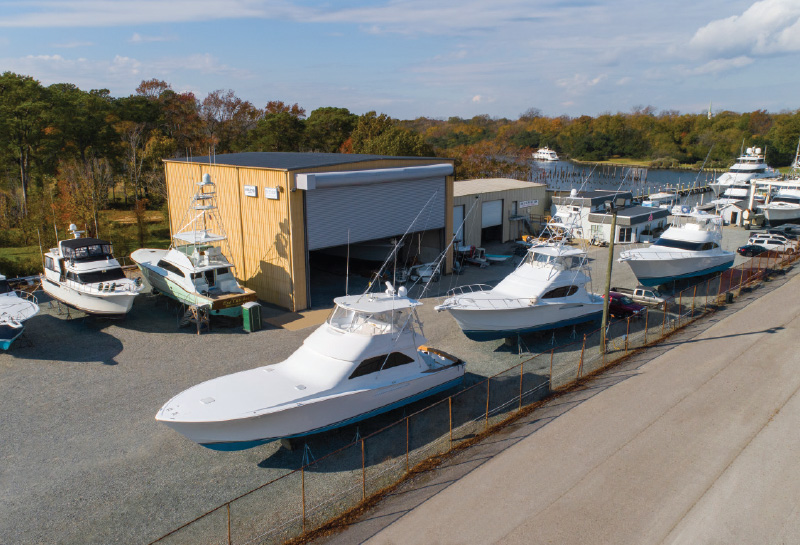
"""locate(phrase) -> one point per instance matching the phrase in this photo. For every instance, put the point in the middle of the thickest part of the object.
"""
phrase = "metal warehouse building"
(496, 209)
(280, 208)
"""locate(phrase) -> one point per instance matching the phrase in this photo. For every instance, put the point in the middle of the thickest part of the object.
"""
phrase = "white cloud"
(580, 82)
(721, 65)
(71, 45)
(477, 98)
(767, 27)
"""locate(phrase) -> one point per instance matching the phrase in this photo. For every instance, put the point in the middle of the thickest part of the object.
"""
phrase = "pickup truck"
(643, 295)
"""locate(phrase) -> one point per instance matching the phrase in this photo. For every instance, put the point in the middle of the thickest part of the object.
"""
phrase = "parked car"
(749, 250)
(642, 295)
(771, 241)
(622, 306)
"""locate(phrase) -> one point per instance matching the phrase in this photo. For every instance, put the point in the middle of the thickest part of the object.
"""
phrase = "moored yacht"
(750, 165)
(83, 273)
(193, 270)
(783, 207)
(15, 308)
(545, 154)
(689, 247)
(369, 357)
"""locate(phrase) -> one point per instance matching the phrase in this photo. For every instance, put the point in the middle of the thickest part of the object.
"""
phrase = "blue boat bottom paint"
(483, 335)
(244, 445)
(651, 282)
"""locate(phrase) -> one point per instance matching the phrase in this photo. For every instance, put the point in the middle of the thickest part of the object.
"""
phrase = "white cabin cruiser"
(82, 273)
(783, 207)
(734, 183)
(366, 359)
(689, 248)
(15, 308)
(547, 290)
(193, 270)
(545, 154)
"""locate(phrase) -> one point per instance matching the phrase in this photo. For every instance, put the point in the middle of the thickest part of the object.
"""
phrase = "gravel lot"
(82, 459)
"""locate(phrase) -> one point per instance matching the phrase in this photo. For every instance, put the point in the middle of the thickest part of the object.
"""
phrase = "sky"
(414, 58)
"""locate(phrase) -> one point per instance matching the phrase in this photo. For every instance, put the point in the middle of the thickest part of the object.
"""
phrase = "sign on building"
(250, 191)
(528, 204)
(271, 193)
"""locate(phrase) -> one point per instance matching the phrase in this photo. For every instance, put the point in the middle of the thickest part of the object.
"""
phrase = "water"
(566, 175)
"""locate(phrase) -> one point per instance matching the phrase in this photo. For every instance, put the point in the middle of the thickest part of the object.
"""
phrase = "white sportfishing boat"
(82, 273)
(193, 270)
(750, 165)
(15, 308)
(367, 358)
(545, 154)
(663, 199)
(545, 291)
(783, 207)
(689, 248)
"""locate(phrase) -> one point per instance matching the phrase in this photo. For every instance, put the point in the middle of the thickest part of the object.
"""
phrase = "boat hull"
(777, 216)
(109, 305)
(488, 325)
(8, 334)
(655, 272)
(315, 416)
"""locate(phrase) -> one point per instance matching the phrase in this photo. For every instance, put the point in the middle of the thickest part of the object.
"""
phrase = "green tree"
(327, 128)
(379, 135)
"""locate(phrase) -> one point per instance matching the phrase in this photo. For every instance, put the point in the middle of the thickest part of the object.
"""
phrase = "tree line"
(66, 154)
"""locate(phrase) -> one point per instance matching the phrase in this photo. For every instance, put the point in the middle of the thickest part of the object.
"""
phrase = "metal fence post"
(551, 366)
(450, 407)
(664, 320)
(486, 421)
(708, 285)
(407, 467)
(363, 473)
(228, 505)
(303, 494)
(580, 365)
(694, 296)
(521, 365)
(646, 316)
(680, 305)
(627, 334)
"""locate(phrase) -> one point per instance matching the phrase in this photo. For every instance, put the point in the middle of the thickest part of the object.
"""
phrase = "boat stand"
(196, 314)
(308, 456)
(517, 340)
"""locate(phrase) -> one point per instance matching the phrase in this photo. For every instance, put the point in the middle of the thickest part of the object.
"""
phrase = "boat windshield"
(566, 263)
(101, 276)
(93, 251)
(685, 244)
(368, 323)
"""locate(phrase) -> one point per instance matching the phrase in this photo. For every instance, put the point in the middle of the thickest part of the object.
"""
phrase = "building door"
(492, 221)
(624, 234)
(734, 218)
(458, 220)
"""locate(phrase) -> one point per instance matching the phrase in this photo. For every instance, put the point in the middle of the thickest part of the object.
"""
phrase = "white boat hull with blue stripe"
(366, 359)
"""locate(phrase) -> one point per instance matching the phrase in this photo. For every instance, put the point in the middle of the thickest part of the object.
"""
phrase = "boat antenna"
(41, 252)
(347, 268)
(703, 165)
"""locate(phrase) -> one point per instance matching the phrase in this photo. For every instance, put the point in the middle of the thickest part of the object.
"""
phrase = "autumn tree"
(327, 128)
(379, 135)
(227, 118)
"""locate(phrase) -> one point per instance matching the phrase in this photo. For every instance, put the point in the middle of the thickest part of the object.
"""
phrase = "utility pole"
(611, 208)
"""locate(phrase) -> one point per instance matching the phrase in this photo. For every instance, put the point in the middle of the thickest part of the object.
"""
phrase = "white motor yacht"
(547, 290)
(82, 273)
(545, 154)
(749, 166)
(662, 199)
(370, 356)
(689, 248)
(783, 207)
(193, 270)
(15, 308)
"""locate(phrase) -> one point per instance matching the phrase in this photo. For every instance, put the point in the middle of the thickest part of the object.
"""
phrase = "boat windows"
(101, 276)
(563, 291)
(167, 266)
(368, 323)
(566, 263)
(378, 363)
(681, 244)
(90, 252)
(50, 263)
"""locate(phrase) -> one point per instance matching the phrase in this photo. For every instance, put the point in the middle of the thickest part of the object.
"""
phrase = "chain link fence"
(324, 489)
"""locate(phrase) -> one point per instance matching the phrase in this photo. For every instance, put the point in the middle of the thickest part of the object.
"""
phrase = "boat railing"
(469, 288)
(493, 303)
(19, 315)
(124, 285)
(657, 254)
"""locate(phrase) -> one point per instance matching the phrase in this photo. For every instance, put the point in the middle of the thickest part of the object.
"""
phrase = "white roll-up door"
(492, 213)
(373, 211)
(458, 219)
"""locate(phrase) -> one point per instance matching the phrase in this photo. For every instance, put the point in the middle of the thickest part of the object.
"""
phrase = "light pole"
(611, 208)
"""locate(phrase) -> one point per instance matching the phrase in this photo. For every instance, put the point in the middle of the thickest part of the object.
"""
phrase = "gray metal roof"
(631, 216)
(290, 160)
(490, 185)
(592, 198)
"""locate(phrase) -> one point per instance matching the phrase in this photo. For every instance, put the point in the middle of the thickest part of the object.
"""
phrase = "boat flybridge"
(547, 290)
(545, 154)
(15, 308)
(690, 247)
(83, 273)
(193, 270)
(750, 165)
(369, 357)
